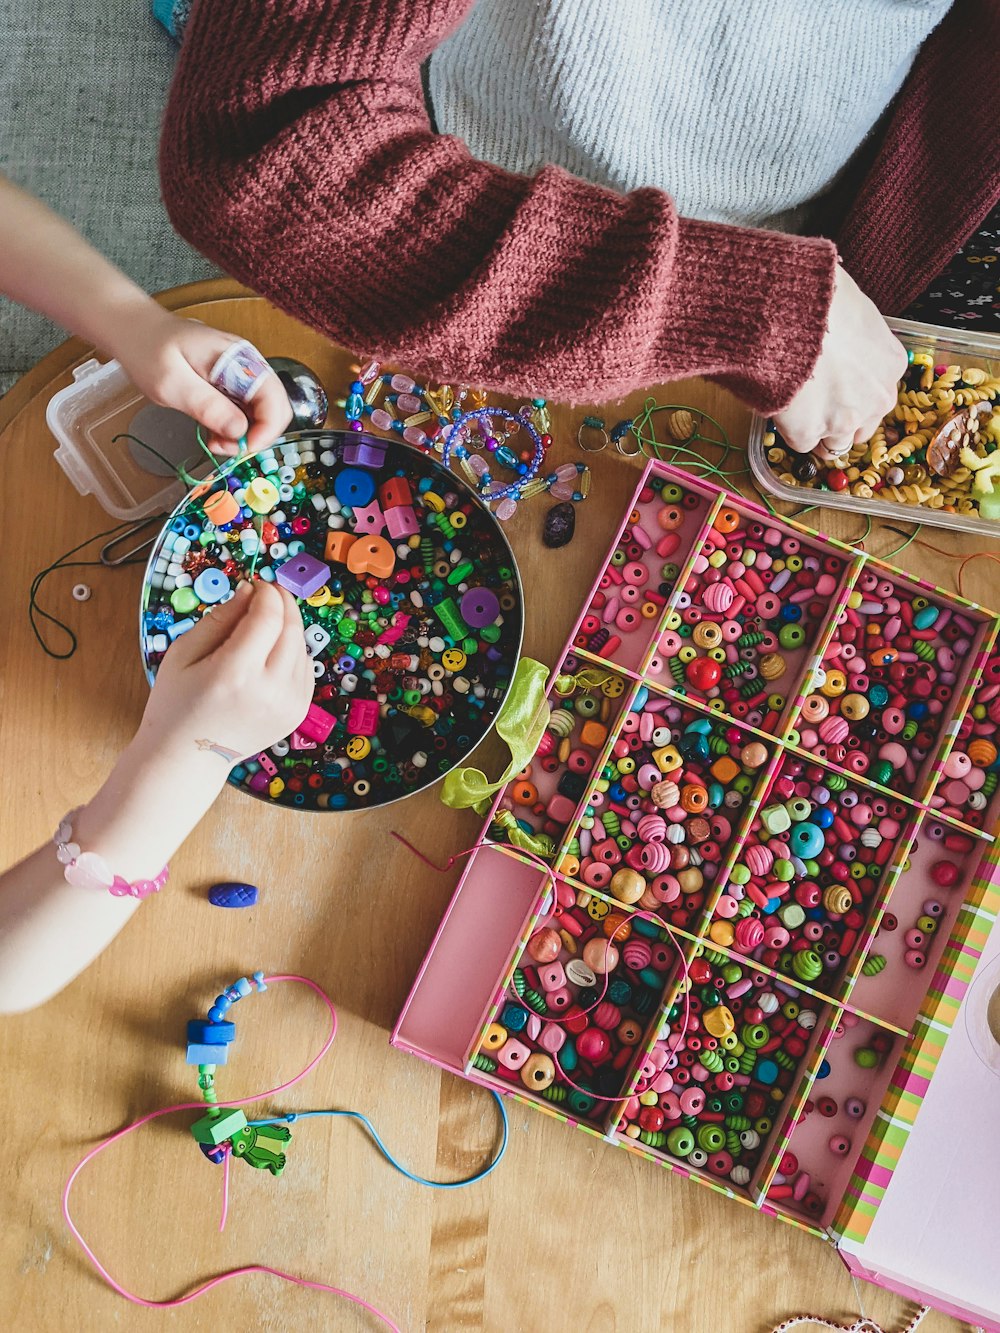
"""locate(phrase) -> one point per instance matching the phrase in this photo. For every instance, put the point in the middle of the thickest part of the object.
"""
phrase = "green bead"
(215, 1129)
(874, 964)
(680, 1142)
(866, 1058)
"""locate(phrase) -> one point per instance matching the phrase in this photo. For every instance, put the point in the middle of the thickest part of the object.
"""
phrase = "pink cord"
(200, 1106)
(550, 1018)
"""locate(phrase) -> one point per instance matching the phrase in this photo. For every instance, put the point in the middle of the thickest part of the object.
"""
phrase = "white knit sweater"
(743, 110)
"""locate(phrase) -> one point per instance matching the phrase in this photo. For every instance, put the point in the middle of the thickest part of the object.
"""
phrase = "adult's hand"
(853, 384)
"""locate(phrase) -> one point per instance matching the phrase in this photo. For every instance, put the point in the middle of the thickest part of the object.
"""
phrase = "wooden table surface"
(568, 1234)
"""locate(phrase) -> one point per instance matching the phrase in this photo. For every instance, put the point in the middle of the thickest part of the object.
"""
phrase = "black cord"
(64, 562)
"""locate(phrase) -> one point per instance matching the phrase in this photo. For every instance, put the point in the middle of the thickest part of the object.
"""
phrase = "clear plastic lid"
(127, 479)
(945, 345)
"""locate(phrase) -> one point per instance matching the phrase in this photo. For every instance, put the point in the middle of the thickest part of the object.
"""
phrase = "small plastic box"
(945, 345)
(126, 481)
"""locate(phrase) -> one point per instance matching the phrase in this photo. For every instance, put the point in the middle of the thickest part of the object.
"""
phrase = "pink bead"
(718, 597)
(726, 907)
(594, 1046)
(834, 730)
(692, 1101)
(513, 1053)
(758, 859)
(552, 976)
(915, 959)
(552, 1038)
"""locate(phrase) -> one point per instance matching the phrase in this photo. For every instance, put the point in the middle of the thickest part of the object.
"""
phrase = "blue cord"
(432, 1184)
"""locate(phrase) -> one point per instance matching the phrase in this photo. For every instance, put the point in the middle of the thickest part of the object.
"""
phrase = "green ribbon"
(520, 723)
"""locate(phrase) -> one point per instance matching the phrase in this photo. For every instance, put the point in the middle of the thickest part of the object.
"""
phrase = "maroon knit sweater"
(297, 155)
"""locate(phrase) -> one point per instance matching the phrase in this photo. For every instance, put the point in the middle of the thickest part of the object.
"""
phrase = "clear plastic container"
(128, 481)
(945, 345)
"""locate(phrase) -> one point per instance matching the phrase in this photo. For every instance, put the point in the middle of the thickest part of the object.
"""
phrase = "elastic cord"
(249, 1268)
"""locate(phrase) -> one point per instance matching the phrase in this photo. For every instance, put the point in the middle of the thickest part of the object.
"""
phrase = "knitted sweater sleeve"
(297, 154)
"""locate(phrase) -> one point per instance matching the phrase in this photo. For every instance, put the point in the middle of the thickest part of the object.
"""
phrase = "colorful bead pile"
(888, 677)
(746, 615)
(709, 1092)
(544, 796)
(560, 1024)
(409, 598)
(937, 448)
(624, 613)
(970, 775)
(665, 808)
(800, 895)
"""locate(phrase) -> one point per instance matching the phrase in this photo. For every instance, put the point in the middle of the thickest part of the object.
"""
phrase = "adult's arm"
(297, 154)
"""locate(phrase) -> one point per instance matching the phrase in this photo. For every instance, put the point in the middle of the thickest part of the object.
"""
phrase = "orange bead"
(617, 925)
(726, 521)
(694, 799)
(523, 793)
(338, 544)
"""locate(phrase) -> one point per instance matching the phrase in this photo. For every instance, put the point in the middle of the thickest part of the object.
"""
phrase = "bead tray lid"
(936, 1226)
(981, 350)
(86, 416)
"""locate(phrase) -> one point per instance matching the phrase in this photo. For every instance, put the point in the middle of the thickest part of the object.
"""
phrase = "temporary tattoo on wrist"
(230, 756)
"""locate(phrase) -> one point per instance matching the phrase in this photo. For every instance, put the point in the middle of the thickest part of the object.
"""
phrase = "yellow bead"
(261, 495)
(275, 787)
(627, 885)
(717, 559)
(433, 502)
(569, 865)
(722, 932)
(494, 1037)
(667, 758)
(648, 1098)
(718, 1022)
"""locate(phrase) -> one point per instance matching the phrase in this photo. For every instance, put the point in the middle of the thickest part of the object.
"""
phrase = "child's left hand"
(170, 359)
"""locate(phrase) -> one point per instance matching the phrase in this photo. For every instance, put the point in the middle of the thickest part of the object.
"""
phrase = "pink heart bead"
(89, 872)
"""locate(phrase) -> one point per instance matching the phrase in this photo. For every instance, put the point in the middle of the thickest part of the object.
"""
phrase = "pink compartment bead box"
(768, 791)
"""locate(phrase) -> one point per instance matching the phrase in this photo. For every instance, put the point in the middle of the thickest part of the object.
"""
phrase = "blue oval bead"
(232, 895)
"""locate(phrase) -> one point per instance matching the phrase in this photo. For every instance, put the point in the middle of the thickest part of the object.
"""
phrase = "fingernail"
(243, 588)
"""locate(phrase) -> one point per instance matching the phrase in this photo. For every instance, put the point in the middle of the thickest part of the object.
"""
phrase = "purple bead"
(479, 607)
(302, 575)
(367, 452)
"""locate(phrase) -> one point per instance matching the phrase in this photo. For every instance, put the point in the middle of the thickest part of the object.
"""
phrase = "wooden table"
(567, 1235)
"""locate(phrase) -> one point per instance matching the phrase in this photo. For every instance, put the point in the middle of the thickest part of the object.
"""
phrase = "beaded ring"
(225, 1130)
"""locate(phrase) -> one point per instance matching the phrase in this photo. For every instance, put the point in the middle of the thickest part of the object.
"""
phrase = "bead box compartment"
(701, 790)
(911, 1030)
(713, 649)
(971, 349)
(578, 733)
(880, 699)
(650, 557)
(813, 873)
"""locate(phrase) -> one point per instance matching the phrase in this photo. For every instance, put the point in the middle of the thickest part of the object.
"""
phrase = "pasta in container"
(934, 459)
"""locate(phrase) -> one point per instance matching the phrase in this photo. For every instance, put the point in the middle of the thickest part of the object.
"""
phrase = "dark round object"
(305, 392)
(804, 468)
(560, 524)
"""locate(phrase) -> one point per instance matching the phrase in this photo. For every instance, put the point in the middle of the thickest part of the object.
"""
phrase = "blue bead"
(261, 983)
(215, 1014)
(243, 987)
(199, 1053)
(224, 1003)
(232, 895)
(514, 1018)
(216, 1034)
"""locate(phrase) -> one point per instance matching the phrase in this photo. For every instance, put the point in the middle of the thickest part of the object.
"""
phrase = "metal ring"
(628, 453)
(595, 449)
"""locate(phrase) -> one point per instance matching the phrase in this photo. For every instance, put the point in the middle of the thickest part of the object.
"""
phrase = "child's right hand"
(233, 685)
(853, 384)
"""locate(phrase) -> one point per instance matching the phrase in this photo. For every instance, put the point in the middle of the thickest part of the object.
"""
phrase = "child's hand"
(170, 359)
(233, 685)
(853, 384)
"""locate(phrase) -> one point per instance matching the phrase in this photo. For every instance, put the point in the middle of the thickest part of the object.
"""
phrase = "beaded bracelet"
(441, 411)
(87, 870)
(225, 1130)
